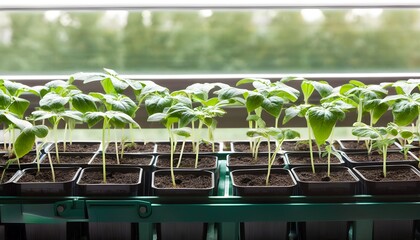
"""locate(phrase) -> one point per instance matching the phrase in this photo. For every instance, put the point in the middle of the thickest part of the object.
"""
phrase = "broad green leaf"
(357, 83)
(75, 115)
(53, 102)
(120, 119)
(24, 143)
(111, 72)
(21, 124)
(157, 117)
(322, 87)
(122, 104)
(365, 132)
(290, 134)
(406, 134)
(84, 103)
(322, 122)
(183, 132)
(405, 112)
(290, 78)
(57, 84)
(378, 111)
(15, 88)
(155, 103)
(392, 98)
(345, 88)
(294, 111)
(263, 82)
(253, 118)
(211, 102)
(273, 105)
(40, 131)
(307, 89)
(253, 101)
(89, 77)
(19, 106)
(5, 100)
(41, 115)
(282, 90)
(150, 87)
(404, 87)
(229, 93)
(201, 90)
(93, 118)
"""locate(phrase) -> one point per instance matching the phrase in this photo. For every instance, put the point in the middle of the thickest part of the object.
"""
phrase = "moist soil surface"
(127, 159)
(96, 177)
(188, 148)
(245, 147)
(132, 147)
(28, 158)
(377, 175)
(258, 179)
(299, 146)
(61, 175)
(395, 156)
(306, 159)
(184, 181)
(186, 162)
(69, 159)
(7, 175)
(358, 145)
(76, 147)
(249, 160)
(321, 176)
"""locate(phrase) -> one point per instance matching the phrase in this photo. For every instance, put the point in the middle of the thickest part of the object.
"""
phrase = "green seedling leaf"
(53, 102)
(273, 105)
(406, 134)
(322, 123)
(122, 104)
(14, 88)
(19, 106)
(365, 131)
(157, 117)
(253, 101)
(183, 132)
(84, 103)
(24, 143)
(357, 83)
(5, 100)
(156, 104)
(378, 112)
(405, 112)
(404, 87)
(21, 124)
(93, 118)
(111, 72)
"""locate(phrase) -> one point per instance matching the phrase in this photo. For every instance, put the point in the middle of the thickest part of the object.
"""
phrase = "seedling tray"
(224, 212)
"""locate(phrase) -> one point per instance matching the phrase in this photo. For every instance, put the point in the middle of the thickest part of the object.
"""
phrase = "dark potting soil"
(249, 160)
(299, 146)
(76, 147)
(96, 177)
(258, 179)
(359, 145)
(184, 181)
(132, 147)
(306, 159)
(68, 159)
(61, 175)
(186, 162)
(126, 159)
(28, 158)
(245, 147)
(391, 175)
(321, 176)
(395, 156)
(188, 148)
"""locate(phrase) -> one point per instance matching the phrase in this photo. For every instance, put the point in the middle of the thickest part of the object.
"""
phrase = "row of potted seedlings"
(187, 114)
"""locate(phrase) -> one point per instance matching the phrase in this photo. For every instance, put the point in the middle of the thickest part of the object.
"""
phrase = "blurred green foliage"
(220, 41)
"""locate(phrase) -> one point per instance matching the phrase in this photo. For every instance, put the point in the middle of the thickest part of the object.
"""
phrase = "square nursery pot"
(342, 181)
(354, 159)
(7, 188)
(27, 161)
(75, 146)
(296, 159)
(353, 145)
(162, 186)
(237, 161)
(90, 184)
(144, 161)
(67, 159)
(299, 146)
(205, 162)
(132, 147)
(205, 148)
(31, 184)
(251, 182)
(401, 179)
(245, 147)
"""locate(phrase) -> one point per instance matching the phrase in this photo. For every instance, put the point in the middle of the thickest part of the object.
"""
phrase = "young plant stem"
(104, 127)
(210, 133)
(51, 166)
(64, 137)
(171, 141)
(180, 154)
(4, 137)
(197, 147)
(267, 180)
(384, 153)
(251, 141)
(310, 145)
(276, 122)
(116, 146)
(256, 148)
(55, 130)
(193, 135)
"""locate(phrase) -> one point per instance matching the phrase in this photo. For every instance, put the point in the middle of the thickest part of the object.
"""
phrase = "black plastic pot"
(88, 156)
(29, 162)
(144, 161)
(182, 230)
(348, 157)
(299, 146)
(150, 147)
(263, 230)
(81, 146)
(279, 163)
(7, 188)
(291, 164)
(391, 229)
(342, 145)
(112, 230)
(325, 229)
(218, 148)
(66, 188)
(262, 148)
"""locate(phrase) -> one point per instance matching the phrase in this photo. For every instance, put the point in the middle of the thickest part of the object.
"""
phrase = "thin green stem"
(116, 147)
(197, 149)
(310, 145)
(267, 180)
(64, 137)
(51, 166)
(384, 154)
(171, 141)
(180, 154)
(104, 127)
(55, 129)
